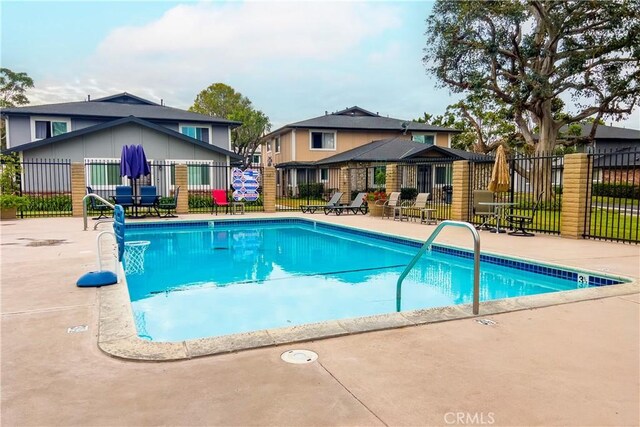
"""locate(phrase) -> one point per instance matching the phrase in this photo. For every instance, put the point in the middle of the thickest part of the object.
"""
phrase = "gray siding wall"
(77, 124)
(108, 144)
(19, 130)
(221, 137)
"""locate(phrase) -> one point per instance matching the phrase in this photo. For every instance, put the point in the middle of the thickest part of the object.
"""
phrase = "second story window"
(276, 143)
(196, 132)
(48, 128)
(323, 140)
(428, 139)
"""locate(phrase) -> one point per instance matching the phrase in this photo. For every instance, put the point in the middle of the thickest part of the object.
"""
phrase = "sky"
(293, 60)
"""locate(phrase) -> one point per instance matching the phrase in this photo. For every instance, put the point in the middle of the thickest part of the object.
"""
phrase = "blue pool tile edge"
(594, 280)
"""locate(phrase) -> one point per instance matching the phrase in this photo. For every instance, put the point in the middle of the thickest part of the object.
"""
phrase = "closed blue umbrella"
(125, 165)
(141, 159)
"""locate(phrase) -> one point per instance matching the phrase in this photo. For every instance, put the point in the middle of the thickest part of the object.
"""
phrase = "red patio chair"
(220, 199)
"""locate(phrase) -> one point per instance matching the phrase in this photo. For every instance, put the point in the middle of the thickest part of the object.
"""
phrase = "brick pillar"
(460, 197)
(345, 185)
(182, 180)
(269, 189)
(575, 193)
(392, 182)
(78, 188)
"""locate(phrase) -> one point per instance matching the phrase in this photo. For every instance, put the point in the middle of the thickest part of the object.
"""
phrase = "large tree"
(526, 54)
(12, 93)
(221, 100)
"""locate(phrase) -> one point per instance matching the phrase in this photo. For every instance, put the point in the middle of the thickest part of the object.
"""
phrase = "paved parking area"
(571, 364)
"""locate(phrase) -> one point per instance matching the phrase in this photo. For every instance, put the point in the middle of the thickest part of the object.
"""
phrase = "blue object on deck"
(97, 278)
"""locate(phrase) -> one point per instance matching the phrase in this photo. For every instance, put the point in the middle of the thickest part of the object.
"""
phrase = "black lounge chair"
(97, 205)
(334, 201)
(170, 204)
(520, 221)
(358, 204)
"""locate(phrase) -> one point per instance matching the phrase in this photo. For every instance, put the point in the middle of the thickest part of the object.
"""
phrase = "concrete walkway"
(573, 364)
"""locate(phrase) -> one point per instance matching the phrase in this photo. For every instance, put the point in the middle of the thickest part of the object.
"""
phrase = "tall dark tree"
(221, 100)
(526, 54)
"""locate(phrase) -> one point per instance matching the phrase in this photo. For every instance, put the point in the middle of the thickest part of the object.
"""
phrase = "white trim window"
(276, 143)
(197, 131)
(424, 138)
(201, 174)
(324, 175)
(103, 174)
(48, 127)
(322, 140)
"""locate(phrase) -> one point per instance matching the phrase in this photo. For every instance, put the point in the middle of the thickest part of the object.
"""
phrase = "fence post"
(460, 197)
(345, 184)
(392, 183)
(576, 192)
(269, 189)
(182, 180)
(78, 188)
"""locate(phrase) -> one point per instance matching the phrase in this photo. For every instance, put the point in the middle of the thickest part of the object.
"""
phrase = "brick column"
(345, 185)
(269, 189)
(392, 182)
(78, 188)
(460, 197)
(182, 180)
(575, 193)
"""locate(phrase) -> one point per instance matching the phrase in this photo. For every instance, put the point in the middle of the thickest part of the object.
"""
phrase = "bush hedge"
(314, 190)
(408, 193)
(47, 203)
(626, 191)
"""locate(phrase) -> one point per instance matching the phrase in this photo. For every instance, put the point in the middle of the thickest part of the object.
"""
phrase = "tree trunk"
(541, 177)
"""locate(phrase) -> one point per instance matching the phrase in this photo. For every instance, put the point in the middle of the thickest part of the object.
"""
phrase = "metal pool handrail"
(427, 245)
(84, 206)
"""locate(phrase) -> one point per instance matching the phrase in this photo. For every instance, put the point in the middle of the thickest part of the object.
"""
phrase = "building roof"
(606, 132)
(356, 118)
(114, 123)
(118, 106)
(395, 149)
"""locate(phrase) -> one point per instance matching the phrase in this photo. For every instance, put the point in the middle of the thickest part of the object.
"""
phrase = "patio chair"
(334, 201)
(485, 212)
(358, 204)
(124, 196)
(415, 207)
(97, 205)
(170, 204)
(149, 198)
(220, 200)
(391, 206)
(520, 221)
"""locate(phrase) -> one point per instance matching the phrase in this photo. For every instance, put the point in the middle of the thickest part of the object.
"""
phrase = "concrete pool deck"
(571, 364)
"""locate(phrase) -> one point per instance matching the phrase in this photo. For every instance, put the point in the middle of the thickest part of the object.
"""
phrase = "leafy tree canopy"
(12, 88)
(221, 100)
(523, 56)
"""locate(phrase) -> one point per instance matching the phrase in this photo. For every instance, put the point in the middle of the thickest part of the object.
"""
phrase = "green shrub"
(626, 191)
(8, 201)
(197, 201)
(408, 193)
(47, 203)
(313, 190)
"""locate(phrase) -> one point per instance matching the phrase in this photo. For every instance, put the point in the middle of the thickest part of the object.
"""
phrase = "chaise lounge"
(334, 201)
(358, 204)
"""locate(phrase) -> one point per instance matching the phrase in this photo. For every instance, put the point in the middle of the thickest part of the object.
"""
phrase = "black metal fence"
(613, 202)
(306, 186)
(535, 189)
(44, 184)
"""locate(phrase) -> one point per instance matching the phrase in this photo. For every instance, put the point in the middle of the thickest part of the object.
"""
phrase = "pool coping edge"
(117, 335)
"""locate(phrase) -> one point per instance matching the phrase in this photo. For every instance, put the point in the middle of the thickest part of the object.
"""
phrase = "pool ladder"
(84, 210)
(427, 246)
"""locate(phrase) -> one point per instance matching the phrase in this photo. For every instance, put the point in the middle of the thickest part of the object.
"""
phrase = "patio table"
(498, 213)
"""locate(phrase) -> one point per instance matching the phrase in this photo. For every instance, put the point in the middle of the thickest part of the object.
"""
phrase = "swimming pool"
(213, 278)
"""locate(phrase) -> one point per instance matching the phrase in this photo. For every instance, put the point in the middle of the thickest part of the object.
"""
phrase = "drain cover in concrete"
(299, 357)
(486, 322)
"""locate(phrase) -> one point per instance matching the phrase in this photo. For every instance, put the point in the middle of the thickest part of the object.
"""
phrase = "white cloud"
(194, 45)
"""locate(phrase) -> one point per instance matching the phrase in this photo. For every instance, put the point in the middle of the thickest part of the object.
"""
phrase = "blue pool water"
(229, 277)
